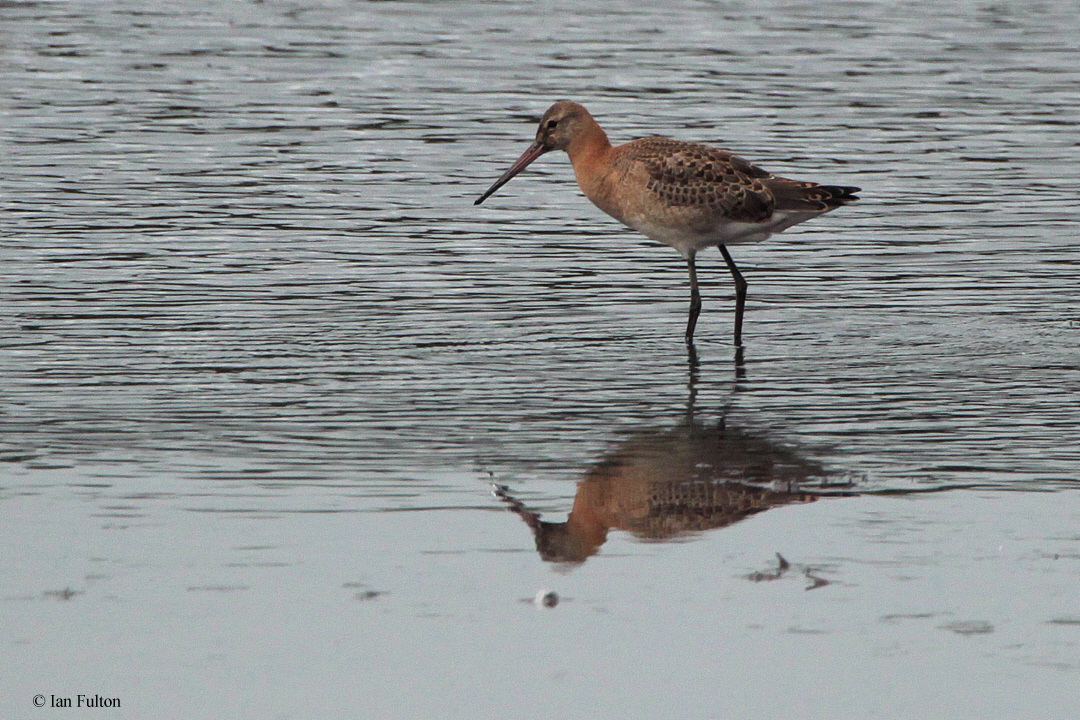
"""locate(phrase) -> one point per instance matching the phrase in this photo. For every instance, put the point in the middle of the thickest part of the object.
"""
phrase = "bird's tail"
(808, 196)
(839, 194)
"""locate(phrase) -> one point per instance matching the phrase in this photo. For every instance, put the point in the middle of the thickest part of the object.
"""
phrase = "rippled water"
(238, 244)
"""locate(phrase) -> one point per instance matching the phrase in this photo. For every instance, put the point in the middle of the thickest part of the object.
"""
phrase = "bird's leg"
(740, 363)
(691, 385)
(695, 299)
(740, 294)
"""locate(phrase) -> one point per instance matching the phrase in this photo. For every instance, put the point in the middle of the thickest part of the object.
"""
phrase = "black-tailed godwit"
(682, 194)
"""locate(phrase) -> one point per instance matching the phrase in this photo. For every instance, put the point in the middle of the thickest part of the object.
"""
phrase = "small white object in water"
(546, 598)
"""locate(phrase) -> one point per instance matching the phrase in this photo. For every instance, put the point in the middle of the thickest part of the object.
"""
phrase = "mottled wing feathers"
(690, 175)
(687, 174)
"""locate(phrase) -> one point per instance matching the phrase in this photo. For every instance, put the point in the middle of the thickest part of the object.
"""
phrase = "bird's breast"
(619, 189)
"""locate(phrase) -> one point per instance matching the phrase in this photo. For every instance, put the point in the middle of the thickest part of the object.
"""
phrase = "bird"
(683, 194)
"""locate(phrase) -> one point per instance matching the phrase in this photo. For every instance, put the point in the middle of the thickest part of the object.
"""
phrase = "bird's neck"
(589, 145)
(590, 155)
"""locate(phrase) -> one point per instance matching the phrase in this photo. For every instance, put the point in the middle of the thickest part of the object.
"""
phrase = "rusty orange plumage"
(686, 195)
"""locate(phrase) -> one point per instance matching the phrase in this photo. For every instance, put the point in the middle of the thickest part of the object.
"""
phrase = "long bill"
(535, 150)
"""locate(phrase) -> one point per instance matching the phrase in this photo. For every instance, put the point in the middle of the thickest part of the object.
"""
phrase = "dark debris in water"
(368, 594)
(547, 598)
(365, 593)
(783, 566)
(898, 617)
(65, 594)
(544, 598)
(969, 627)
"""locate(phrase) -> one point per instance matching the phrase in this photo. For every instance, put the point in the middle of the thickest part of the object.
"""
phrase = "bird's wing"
(687, 174)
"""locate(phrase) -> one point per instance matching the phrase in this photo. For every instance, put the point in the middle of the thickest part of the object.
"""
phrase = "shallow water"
(253, 321)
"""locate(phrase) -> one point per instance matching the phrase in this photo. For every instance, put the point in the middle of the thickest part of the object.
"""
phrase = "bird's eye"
(551, 124)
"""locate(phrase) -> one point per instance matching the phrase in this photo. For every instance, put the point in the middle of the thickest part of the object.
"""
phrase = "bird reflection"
(664, 483)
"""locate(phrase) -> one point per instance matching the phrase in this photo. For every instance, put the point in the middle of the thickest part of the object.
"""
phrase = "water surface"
(252, 322)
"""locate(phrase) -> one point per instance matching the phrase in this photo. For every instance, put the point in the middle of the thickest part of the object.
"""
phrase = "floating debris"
(782, 567)
(815, 581)
(65, 594)
(969, 627)
(546, 598)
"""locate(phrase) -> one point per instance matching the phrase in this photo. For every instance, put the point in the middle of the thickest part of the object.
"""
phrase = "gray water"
(248, 303)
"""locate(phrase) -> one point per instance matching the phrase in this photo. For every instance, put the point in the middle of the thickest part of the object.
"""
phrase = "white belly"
(688, 240)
